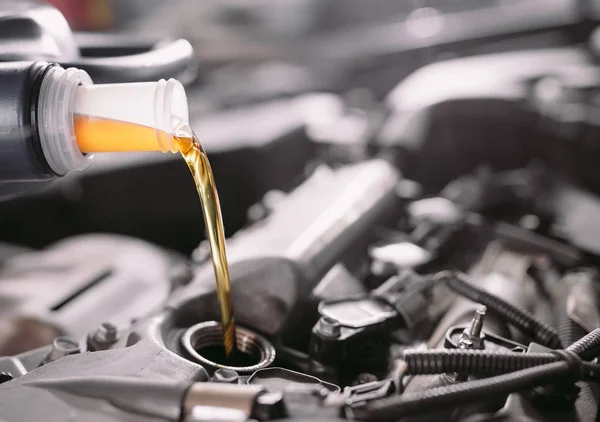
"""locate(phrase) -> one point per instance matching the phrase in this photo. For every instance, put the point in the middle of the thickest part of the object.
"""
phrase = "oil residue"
(197, 161)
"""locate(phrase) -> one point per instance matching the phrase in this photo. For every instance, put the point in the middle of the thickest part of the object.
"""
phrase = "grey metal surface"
(143, 382)
(322, 217)
(224, 396)
(80, 283)
(92, 399)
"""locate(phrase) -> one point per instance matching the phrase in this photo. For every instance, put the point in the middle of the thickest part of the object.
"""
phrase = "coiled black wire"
(523, 320)
(587, 347)
(570, 365)
(476, 362)
(393, 408)
(484, 362)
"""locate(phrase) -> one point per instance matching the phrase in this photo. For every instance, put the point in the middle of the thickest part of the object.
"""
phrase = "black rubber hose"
(520, 318)
(475, 362)
(587, 347)
(173, 60)
(570, 366)
(484, 362)
(396, 407)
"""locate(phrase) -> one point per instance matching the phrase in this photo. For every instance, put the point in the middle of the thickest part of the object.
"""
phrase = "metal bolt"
(108, 332)
(269, 406)
(103, 338)
(225, 376)
(61, 347)
(465, 343)
(471, 338)
(477, 322)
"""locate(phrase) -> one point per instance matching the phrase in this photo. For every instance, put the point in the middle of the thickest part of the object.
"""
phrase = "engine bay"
(431, 256)
(358, 298)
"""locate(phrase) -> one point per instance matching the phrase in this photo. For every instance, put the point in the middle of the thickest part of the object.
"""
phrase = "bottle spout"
(129, 117)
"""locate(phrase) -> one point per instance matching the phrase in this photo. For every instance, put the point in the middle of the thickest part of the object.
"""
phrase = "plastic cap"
(55, 119)
(159, 105)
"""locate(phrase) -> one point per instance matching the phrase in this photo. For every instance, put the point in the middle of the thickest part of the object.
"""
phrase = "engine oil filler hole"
(204, 343)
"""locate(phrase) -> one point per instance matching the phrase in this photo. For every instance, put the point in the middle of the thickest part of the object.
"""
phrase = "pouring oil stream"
(102, 124)
(197, 161)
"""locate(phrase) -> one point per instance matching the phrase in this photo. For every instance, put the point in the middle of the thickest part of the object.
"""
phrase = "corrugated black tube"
(476, 362)
(587, 347)
(520, 318)
(396, 407)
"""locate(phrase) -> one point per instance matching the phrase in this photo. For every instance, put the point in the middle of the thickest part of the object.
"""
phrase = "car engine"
(435, 257)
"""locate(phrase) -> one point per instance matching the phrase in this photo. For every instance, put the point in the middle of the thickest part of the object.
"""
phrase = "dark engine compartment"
(344, 314)
(431, 255)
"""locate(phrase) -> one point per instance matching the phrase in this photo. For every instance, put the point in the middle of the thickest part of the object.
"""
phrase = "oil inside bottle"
(197, 161)
(106, 135)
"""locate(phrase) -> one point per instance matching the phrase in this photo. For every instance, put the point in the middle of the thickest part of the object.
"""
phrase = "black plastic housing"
(21, 156)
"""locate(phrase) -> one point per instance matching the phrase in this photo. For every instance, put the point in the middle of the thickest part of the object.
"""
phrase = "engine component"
(472, 336)
(368, 344)
(417, 249)
(521, 319)
(217, 402)
(461, 394)
(61, 347)
(390, 256)
(164, 345)
(279, 275)
(354, 332)
(356, 397)
(77, 285)
(226, 376)
(204, 342)
(139, 399)
(275, 265)
(502, 272)
(422, 118)
(524, 240)
(456, 339)
(103, 338)
(568, 365)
